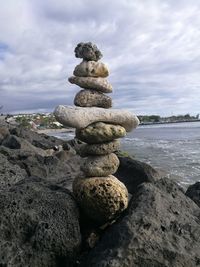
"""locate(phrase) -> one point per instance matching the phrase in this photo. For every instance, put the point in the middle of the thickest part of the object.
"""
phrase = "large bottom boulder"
(161, 228)
(39, 225)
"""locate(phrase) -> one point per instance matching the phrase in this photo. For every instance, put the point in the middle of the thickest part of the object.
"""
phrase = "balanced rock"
(100, 132)
(100, 149)
(98, 84)
(87, 51)
(100, 165)
(90, 98)
(77, 117)
(91, 69)
(101, 198)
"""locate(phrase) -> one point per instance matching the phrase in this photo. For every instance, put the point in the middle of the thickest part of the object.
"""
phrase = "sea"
(173, 148)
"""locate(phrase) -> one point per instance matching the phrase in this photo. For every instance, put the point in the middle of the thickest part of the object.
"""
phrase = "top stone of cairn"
(88, 52)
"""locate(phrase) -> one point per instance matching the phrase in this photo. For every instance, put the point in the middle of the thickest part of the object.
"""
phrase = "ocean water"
(173, 148)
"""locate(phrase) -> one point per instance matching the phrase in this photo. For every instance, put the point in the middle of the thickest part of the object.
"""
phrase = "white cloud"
(152, 48)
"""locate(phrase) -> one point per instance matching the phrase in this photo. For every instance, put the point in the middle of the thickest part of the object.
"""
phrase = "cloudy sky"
(152, 48)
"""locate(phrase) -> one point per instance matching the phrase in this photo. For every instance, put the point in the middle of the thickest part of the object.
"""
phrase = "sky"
(152, 49)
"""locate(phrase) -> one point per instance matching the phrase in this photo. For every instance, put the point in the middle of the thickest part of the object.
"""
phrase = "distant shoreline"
(166, 122)
(71, 130)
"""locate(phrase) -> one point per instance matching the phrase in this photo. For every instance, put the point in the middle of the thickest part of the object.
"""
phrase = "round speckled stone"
(101, 198)
(100, 132)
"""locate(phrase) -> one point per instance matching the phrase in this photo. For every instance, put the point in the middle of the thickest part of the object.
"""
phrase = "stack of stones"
(100, 195)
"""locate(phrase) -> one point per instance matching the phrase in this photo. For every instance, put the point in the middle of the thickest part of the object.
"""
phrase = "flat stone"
(91, 98)
(98, 84)
(77, 117)
(88, 51)
(100, 165)
(100, 149)
(91, 69)
(100, 132)
(101, 198)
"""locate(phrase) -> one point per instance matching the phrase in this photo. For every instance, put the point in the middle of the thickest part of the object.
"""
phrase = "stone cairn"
(100, 195)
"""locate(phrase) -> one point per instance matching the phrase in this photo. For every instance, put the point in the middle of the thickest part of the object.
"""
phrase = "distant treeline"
(157, 118)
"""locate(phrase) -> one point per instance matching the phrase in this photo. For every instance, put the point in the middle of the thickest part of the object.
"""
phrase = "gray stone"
(100, 132)
(100, 165)
(101, 198)
(100, 149)
(87, 51)
(77, 117)
(39, 225)
(91, 98)
(91, 69)
(98, 84)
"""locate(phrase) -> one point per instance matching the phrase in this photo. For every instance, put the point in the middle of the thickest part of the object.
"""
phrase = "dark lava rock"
(61, 168)
(161, 228)
(39, 140)
(134, 172)
(87, 51)
(193, 192)
(38, 225)
(4, 132)
(12, 142)
(10, 173)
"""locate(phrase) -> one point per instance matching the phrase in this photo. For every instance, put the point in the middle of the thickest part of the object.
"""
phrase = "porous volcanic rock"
(58, 169)
(160, 228)
(97, 84)
(91, 69)
(17, 143)
(193, 192)
(78, 117)
(100, 165)
(133, 172)
(100, 132)
(39, 140)
(4, 132)
(100, 149)
(87, 51)
(101, 198)
(39, 225)
(12, 142)
(10, 173)
(91, 98)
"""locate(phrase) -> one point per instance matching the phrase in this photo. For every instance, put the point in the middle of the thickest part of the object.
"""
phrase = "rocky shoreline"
(41, 224)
